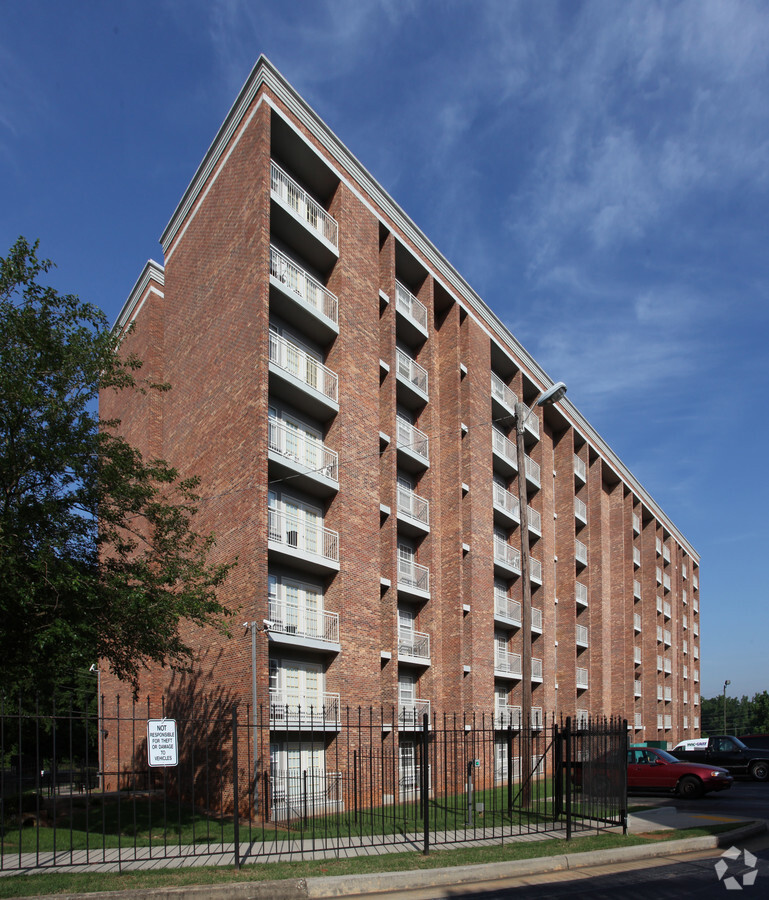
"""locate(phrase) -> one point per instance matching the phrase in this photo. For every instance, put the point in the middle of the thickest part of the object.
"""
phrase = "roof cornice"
(152, 272)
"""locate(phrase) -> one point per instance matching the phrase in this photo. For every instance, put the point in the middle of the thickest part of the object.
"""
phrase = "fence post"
(426, 781)
(557, 772)
(355, 783)
(235, 791)
(510, 769)
(569, 786)
(624, 775)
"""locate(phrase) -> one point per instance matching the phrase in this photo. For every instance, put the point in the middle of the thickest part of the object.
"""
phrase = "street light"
(254, 629)
(725, 683)
(546, 398)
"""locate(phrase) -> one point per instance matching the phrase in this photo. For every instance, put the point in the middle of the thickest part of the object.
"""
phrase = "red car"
(650, 769)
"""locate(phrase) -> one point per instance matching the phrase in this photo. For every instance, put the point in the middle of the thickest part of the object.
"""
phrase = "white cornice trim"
(152, 272)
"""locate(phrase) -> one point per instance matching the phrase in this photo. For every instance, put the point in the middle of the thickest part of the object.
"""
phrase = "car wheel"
(690, 787)
(760, 770)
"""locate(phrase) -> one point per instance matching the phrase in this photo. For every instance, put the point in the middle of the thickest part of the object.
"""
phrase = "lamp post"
(546, 398)
(725, 684)
(254, 629)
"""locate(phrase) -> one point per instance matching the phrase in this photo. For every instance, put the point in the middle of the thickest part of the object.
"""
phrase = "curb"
(381, 882)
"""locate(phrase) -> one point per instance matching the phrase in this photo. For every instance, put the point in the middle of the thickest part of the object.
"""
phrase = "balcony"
(537, 719)
(684, 571)
(666, 553)
(695, 604)
(637, 590)
(413, 647)
(536, 670)
(290, 711)
(696, 674)
(637, 692)
(302, 543)
(413, 512)
(696, 581)
(507, 611)
(311, 306)
(302, 626)
(582, 719)
(301, 379)
(580, 553)
(638, 720)
(536, 620)
(412, 380)
(660, 693)
(637, 656)
(412, 315)
(659, 575)
(668, 694)
(582, 636)
(685, 622)
(659, 605)
(506, 664)
(636, 622)
(303, 458)
(581, 594)
(666, 582)
(503, 398)
(666, 610)
(507, 716)
(582, 679)
(658, 546)
(636, 524)
(302, 221)
(659, 634)
(666, 637)
(533, 472)
(535, 521)
(685, 671)
(636, 557)
(411, 714)
(413, 579)
(660, 663)
(506, 505)
(505, 453)
(535, 570)
(668, 723)
(580, 510)
(695, 652)
(685, 647)
(668, 666)
(507, 559)
(413, 446)
(580, 469)
(684, 597)
(659, 722)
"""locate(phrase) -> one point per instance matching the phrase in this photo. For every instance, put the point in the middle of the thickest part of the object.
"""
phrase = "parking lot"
(745, 798)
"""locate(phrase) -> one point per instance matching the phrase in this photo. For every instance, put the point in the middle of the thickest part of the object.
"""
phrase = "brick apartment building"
(350, 402)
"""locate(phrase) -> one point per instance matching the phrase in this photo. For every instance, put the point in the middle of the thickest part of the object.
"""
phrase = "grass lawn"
(84, 882)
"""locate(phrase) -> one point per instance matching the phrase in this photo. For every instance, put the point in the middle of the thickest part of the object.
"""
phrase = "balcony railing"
(659, 634)
(301, 365)
(507, 662)
(500, 391)
(411, 438)
(684, 571)
(638, 719)
(413, 506)
(636, 524)
(294, 788)
(659, 575)
(666, 582)
(533, 471)
(537, 719)
(290, 709)
(696, 652)
(660, 663)
(659, 605)
(696, 581)
(668, 694)
(535, 520)
(666, 552)
(536, 669)
(303, 621)
(668, 666)
(414, 643)
(286, 189)
(659, 722)
(535, 570)
(636, 557)
(582, 635)
(303, 448)
(507, 608)
(637, 590)
(582, 678)
(636, 621)
(536, 619)
(506, 501)
(507, 716)
(666, 610)
(504, 447)
(407, 303)
(660, 693)
(667, 638)
(410, 370)
(696, 674)
(301, 283)
(580, 468)
(637, 656)
(658, 546)
(413, 575)
(507, 555)
(411, 712)
(581, 594)
(668, 723)
(637, 692)
(695, 604)
(580, 552)
(580, 509)
(298, 534)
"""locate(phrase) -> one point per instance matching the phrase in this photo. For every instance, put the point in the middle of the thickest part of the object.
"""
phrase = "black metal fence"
(77, 789)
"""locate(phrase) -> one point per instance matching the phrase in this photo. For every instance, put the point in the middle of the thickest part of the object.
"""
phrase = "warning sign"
(162, 747)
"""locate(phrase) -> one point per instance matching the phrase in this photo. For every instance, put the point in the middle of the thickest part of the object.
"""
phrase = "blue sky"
(598, 171)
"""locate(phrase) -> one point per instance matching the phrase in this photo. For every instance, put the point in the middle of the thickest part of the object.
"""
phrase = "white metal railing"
(668, 694)
(659, 604)
(502, 392)
(667, 637)
(533, 471)
(301, 283)
(666, 582)
(582, 677)
(637, 656)
(507, 716)
(412, 505)
(636, 556)
(535, 570)
(666, 552)
(659, 575)
(696, 652)
(637, 589)
(636, 621)
(638, 720)
(686, 721)
(636, 523)
(407, 303)
(303, 448)
(536, 619)
(580, 509)
(695, 604)
(685, 647)
(659, 722)
(696, 581)
(286, 189)
(303, 621)
(537, 722)
(506, 554)
(504, 447)
(660, 663)
(410, 370)
(658, 546)
(298, 534)
(580, 552)
(580, 468)
(581, 594)
(530, 422)
(413, 643)
(507, 608)
(696, 674)
(696, 722)
(696, 700)
(503, 499)
(535, 520)
(582, 635)
(684, 571)
(659, 634)
(685, 670)
(294, 790)
(411, 712)
(536, 669)
(684, 597)
(685, 622)
(583, 719)
(668, 666)
(411, 438)
(660, 693)
(637, 688)
(301, 365)
(292, 708)
(668, 723)
(666, 610)
(413, 575)
(507, 662)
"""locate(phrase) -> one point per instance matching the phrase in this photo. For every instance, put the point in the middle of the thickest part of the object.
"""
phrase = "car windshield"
(739, 743)
(663, 754)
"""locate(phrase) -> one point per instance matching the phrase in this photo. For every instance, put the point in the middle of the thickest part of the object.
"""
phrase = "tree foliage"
(98, 556)
(743, 715)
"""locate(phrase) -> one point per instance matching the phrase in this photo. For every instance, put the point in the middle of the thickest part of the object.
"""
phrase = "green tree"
(98, 555)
